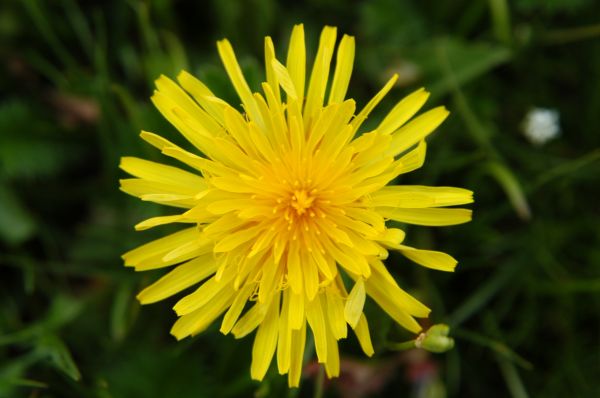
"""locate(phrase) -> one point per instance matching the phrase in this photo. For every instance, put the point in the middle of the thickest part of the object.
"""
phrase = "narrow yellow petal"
(414, 196)
(332, 366)
(236, 308)
(156, 140)
(320, 72)
(322, 264)
(355, 303)
(249, 321)
(265, 341)
(200, 319)
(403, 111)
(395, 302)
(237, 127)
(311, 276)
(429, 258)
(284, 341)
(202, 95)
(271, 76)
(430, 217)
(239, 82)
(335, 312)
(152, 252)
(162, 220)
(417, 130)
(296, 60)
(298, 341)
(283, 75)
(187, 250)
(294, 269)
(316, 321)
(158, 172)
(267, 280)
(364, 113)
(234, 240)
(205, 293)
(179, 97)
(296, 314)
(348, 258)
(364, 337)
(392, 237)
(182, 277)
(167, 194)
(200, 138)
(412, 160)
(343, 70)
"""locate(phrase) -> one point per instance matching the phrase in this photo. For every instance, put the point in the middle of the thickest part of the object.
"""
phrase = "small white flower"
(541, 125)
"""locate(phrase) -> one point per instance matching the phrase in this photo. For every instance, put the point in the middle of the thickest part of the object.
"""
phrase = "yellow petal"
(430, 217)
(294, 269)
(239, 82)
(153, 171)
(298, 341)
(417, 130)
(265, 341)
(296, 60)
(343, 69)
(205, 293)
(179, 97)
(283, 75)
(236, 239)
(335, 312)
(184, 122)
(320, 72)
(311, 275)
(296, 314)
(414, 196)
(284, 341)
(200, 319)
(403, 111)
(155, 221)
(271, 76)
(355, 303)
(364, 337)
(167, 194)
(412, 160)
(397, 307)
(149, 255)
(249, 321)
(332, 366)
(267, 280)
(316, 321)
(201, 94)
(182, 277)
(429, 258)
(235, 310)
(364, 113)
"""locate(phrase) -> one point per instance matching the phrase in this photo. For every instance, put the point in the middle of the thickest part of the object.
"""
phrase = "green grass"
(523, 304)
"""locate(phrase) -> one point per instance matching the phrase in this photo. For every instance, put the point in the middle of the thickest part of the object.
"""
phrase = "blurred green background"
(75, 82)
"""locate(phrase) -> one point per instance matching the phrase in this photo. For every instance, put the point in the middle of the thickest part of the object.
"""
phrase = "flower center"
(301, 201)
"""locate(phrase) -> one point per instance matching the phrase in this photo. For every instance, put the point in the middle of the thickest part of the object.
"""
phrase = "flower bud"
(435, 339)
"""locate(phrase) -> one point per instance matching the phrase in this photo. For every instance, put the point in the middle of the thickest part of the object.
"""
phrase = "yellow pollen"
(301, 201)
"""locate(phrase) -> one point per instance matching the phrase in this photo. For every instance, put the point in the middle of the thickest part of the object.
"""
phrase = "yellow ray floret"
(286, 202)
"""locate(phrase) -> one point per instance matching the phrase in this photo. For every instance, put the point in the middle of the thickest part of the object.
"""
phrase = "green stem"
(406, 345)
(319, 382)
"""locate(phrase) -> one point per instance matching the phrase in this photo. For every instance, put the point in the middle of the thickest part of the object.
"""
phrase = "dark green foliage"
(75, 82)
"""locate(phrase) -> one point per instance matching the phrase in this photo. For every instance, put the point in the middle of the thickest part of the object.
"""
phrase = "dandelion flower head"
(288, 204)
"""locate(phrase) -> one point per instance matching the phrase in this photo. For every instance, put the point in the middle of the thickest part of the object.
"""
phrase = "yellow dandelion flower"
(284, 198)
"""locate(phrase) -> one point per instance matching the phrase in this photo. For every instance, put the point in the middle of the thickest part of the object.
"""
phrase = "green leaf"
(58, 354)
(16, 222)
(469, 60)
